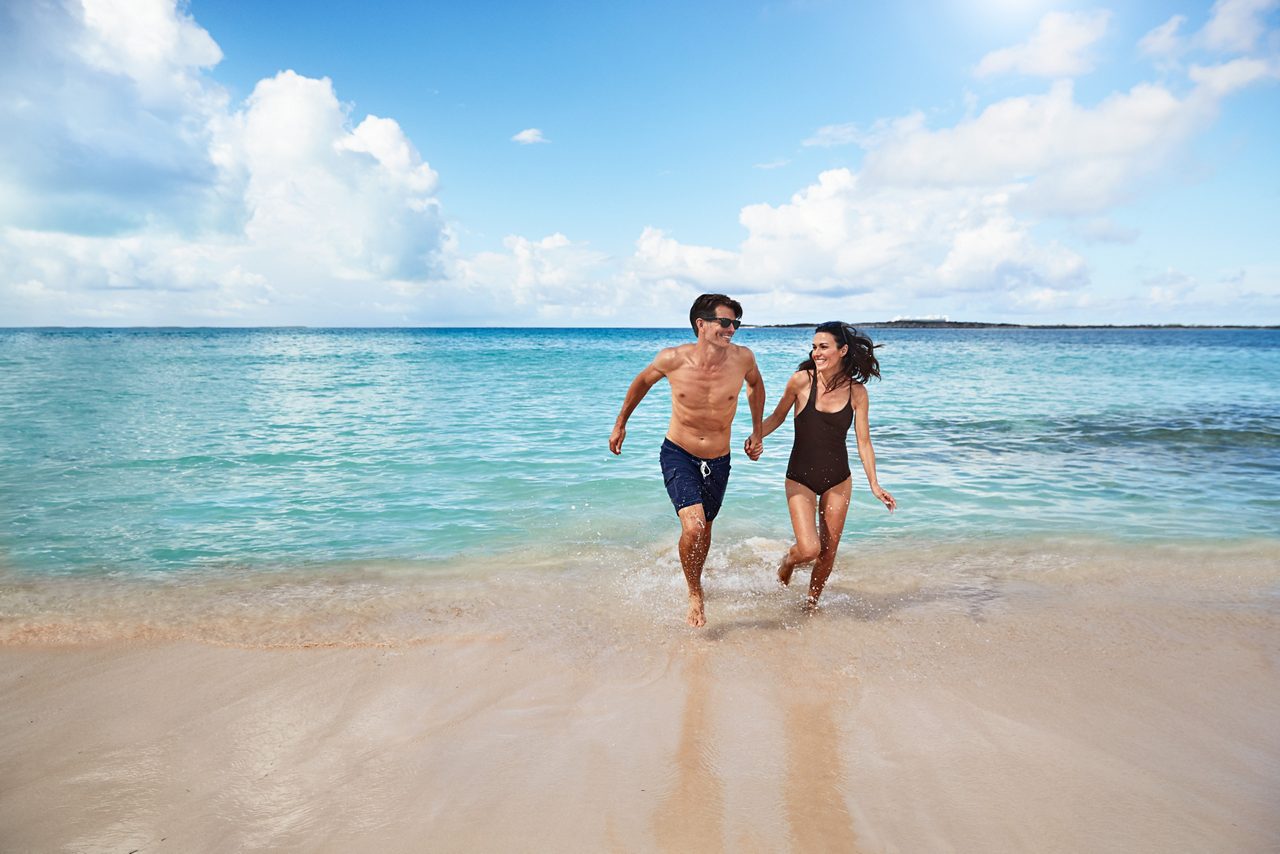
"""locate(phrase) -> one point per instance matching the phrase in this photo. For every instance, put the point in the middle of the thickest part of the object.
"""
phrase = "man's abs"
(705, 435)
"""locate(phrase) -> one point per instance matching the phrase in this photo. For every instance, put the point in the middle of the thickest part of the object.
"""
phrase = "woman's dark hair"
(859, 362)
(705, 306)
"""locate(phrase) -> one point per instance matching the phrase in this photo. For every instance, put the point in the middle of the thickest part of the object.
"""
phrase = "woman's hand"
(885, 498)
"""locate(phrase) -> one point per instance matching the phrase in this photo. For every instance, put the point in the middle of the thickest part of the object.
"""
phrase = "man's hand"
(615, 438)
(754, 447)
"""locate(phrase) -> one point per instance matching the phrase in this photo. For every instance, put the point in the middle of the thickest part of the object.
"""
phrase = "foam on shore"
(614, 595)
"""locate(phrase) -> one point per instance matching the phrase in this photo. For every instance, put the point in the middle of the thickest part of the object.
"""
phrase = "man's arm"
(755, 399)
(639, 387)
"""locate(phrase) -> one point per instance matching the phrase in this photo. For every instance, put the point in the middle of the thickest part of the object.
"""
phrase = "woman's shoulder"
(799, 378)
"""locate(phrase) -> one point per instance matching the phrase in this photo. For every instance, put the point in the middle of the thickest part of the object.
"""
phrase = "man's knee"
(693, 524)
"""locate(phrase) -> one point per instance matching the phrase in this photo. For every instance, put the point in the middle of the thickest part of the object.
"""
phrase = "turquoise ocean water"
(128, 452)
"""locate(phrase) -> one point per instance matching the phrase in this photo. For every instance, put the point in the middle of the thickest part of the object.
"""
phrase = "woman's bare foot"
(784, 573)
(810, 604)
(697, 617)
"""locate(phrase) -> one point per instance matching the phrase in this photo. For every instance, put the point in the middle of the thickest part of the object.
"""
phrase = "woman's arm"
(865, 452)
(788, 399)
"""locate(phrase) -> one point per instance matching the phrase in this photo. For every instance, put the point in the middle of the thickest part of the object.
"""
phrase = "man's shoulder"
(670, 357)
(743, 352)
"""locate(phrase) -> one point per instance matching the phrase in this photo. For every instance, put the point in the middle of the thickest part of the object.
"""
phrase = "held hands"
(616, 437)
(753, 447)
(885, 498)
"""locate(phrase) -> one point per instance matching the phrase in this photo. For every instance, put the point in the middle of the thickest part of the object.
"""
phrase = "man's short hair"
(705, 306)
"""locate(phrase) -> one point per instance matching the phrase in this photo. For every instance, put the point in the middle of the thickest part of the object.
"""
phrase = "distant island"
(928, 323)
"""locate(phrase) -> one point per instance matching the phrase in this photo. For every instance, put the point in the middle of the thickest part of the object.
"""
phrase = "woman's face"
(825, 353)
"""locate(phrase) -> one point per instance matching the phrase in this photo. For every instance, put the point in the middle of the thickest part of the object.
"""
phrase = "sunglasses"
(725, 322)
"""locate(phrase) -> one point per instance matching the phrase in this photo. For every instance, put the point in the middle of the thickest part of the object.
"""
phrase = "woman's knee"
(805, 551)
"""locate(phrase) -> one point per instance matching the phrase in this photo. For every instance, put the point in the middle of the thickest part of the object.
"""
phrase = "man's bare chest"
(700, 387)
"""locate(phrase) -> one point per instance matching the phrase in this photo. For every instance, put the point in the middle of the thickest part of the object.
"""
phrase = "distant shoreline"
(964, 324)
(880, 324)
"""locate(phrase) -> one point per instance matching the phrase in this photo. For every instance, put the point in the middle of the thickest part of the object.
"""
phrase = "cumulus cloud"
(108, 128)
(552, 280)
(362, 196)
(1058, 48)
(838, 238)
(1064, 158)
(1236, 25)
(529, 136)
(130, 172)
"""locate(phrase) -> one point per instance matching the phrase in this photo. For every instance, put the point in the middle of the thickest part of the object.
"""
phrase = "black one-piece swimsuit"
(819, 456)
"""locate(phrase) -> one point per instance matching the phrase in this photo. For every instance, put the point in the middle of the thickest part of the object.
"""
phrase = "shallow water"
(619, 596)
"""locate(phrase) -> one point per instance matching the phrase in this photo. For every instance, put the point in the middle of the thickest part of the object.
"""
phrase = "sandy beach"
(1098, 711)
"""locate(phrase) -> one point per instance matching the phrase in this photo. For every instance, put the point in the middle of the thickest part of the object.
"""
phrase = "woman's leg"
(831, 513)
(802, 504)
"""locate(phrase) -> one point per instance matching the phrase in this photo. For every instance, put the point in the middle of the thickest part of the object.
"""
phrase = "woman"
(828, 394)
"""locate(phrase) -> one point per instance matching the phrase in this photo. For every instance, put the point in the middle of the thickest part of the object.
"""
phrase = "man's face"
(713, 333)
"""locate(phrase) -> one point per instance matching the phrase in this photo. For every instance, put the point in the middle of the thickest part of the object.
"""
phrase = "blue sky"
(316, 163)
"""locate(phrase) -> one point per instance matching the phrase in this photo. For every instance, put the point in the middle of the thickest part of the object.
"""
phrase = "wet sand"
(971, 708)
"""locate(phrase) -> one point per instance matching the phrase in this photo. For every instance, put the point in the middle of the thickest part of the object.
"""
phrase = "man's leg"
(695, 541)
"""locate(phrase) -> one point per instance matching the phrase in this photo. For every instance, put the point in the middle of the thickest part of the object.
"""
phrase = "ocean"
(155, 458)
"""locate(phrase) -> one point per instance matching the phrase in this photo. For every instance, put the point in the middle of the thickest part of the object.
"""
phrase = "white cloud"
(529, 136)
(552, 280)
(153, 43)
(130, 174)
(839, 239)
(361, 198)
(1058, 48)
(1163, 42)
(1219, 81)
(828, 136)
(658, 256)
(1062, 157)
(1236, 25)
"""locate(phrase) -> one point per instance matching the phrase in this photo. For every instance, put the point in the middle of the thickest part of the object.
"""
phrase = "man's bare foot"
(784, 573)
(697, 612)
(810, 605)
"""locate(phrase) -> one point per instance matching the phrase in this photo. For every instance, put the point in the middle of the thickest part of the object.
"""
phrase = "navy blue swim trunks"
(692, 480)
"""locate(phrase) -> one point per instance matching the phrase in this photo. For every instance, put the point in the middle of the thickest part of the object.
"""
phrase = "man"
(706, 379)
